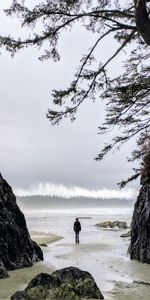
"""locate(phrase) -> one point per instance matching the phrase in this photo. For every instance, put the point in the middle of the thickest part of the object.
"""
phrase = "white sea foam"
(74, 191)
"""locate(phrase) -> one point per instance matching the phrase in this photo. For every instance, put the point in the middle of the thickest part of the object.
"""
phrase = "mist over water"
(54, 202)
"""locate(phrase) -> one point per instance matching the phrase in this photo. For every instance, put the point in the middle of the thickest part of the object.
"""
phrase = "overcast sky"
(37, 157)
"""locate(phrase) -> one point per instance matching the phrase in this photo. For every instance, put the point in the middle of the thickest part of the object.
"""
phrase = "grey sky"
(33, 151)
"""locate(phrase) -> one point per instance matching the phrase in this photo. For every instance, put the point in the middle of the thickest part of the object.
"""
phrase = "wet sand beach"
(44, 238)
(103, 253)
(117, 277)
(18, 279)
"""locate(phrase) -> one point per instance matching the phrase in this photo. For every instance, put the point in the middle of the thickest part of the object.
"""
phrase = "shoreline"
(101, 252)
(45, 239)
(115, 276)
(18, 279)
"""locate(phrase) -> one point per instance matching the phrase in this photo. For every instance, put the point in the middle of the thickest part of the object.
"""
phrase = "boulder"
(69, 283)
(17, 250)
(113, 224)
(139, 248)
(127, 234)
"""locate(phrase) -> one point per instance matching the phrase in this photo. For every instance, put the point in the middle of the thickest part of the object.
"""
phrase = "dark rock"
(69, 283)
(43, 245)
(139, 248)
(3, 273)
(127, 234)
(114, 224)
(141, 282)
(17, 250)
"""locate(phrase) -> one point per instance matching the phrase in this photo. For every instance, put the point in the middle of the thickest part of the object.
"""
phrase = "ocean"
(57, 215)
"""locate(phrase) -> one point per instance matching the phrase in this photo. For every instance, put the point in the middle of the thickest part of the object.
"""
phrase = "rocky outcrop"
(3, 273)
(17, 250)
(140, 228)
(126, 234)
(114, 224)
(68, 283)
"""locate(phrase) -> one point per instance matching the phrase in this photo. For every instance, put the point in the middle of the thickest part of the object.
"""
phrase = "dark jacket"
(77, 226)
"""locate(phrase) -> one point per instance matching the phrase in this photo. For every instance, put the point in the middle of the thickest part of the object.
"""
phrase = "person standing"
(77, 229)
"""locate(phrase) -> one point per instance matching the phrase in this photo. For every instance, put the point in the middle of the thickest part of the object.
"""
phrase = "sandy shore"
(134, 282)
(18, 279)
(130, 291)
(117, 277)
(43, 238)
(101, 252)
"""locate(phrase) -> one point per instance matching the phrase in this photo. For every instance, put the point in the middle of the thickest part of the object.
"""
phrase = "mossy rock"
(113, 224)
(127, 234)
(65, 284)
